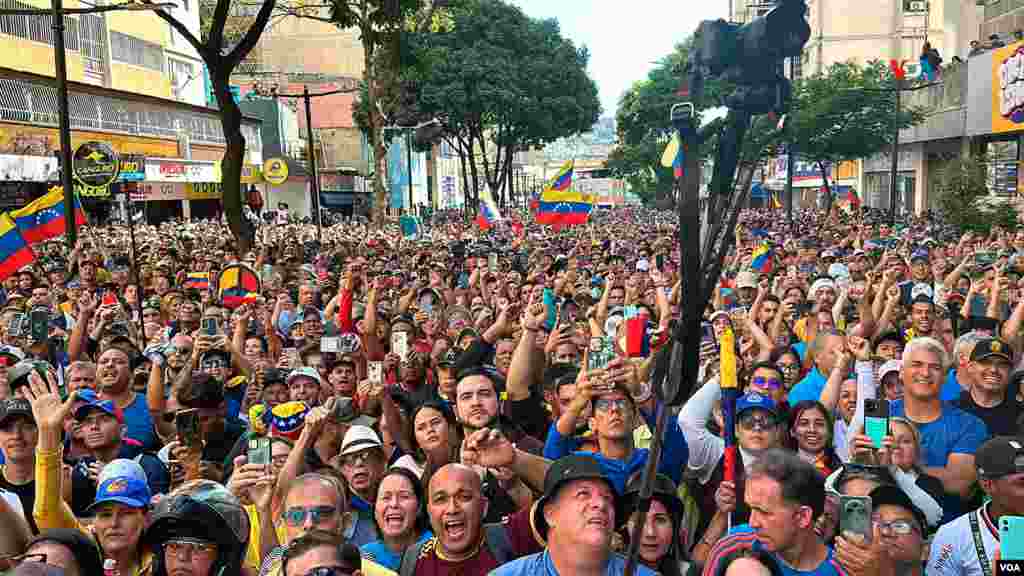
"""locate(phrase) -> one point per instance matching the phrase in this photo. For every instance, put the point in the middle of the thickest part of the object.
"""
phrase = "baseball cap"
(287, 418)
(306, 371)
(12, 354)
(449, 358)
(1000, 456)
(889, 367)
(919, 255)
(126, 484)
(922, 293)
(820, 284)
(837, 271)
(83, 548)
(990, 347)
(755, 400)
(643, 265)
(889, 495)
(106, 406)
(746, 279)
(563, 471)
(359, 438)
(15, 407)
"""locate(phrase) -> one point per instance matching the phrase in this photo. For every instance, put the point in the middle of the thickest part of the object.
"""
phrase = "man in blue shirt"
(824, 347)
(949, 436)
(576, 517)
(612, 423)
(786, 495)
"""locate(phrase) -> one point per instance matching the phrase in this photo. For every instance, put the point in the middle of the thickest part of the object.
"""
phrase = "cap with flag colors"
(14, 252)
(761, 259)
(238, 284)
(44, 217)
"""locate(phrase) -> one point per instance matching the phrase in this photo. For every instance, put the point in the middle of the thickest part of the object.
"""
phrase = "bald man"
(462, 543)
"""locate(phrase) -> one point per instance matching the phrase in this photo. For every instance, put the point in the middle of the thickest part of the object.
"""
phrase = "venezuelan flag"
(761, 259)
(776, 204)
(237, 285)
(489, 214)
(14, 252)
(563, 180)
(563, 213)
(197, 280)
(44, 217)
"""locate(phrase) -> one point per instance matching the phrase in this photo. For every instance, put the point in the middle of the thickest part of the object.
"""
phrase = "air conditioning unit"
(917, 6)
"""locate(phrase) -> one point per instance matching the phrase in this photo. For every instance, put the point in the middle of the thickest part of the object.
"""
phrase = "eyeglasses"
(752, 422)
(192, 547)
(296, 516)
(606, 404)
(897, 527)
(358, 457)
(788, 367)
(329, 571)
(762, 382)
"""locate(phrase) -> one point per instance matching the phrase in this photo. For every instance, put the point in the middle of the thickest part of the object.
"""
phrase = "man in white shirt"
(965, 546)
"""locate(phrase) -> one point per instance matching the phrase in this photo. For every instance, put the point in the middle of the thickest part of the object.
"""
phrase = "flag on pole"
(489, 214)
(44, 218)
(761, 259)
(14, 252)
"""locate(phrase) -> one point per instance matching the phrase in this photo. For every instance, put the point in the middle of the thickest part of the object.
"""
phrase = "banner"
(398, 173)
(162, 170)
(1008, 88)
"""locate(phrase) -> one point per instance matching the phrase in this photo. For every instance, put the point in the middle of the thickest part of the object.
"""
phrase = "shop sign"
(275, 171)
(88, 191)
(16, 168)
(133, 168)
(96, 164)
(181, 171)
(1008, 88)
(252, 174)
(157, 191)
(204, 191)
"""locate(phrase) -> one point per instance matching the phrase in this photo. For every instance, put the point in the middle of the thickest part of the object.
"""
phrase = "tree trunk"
(465, 177)
(231, 163)
(376, 142)
(828, 189)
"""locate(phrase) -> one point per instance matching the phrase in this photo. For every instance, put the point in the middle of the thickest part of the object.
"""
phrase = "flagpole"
(140, 293)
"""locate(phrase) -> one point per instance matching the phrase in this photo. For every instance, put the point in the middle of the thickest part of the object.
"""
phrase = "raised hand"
(47, 407)
(489, 448)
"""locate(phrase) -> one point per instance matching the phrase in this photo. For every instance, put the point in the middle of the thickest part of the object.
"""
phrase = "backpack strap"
(498, 543)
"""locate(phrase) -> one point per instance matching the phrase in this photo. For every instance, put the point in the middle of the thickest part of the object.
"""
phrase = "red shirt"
(521, 536)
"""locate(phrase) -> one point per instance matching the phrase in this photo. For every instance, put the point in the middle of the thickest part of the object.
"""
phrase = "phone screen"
(400, 345)
(210, 326)
(1011, 538)
(855, 515)
(186, 422)
(876, 420)
(375, 372)
(39, 324)
(551, 320)
(259, 451)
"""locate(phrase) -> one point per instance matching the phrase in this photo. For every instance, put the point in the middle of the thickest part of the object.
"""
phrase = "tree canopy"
(500, 82)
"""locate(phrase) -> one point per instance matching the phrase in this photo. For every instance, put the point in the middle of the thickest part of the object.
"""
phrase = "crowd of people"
(470, 402)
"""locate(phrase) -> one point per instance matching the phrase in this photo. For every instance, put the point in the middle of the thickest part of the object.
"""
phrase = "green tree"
(500, 82)
(847, 112)
(222, 47)
(964, 199)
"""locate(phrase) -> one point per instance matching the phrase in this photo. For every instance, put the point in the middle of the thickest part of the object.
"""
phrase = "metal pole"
(64, 121)
(140, 293)
(894, 166)
(408, 157)
(314, 182)
(790, 166)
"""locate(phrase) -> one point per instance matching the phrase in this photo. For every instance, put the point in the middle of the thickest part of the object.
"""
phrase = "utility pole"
(314, 172)
(64, 122)
(895, 160)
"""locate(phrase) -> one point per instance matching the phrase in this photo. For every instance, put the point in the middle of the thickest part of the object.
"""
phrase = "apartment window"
(136, 51)
(36, 28)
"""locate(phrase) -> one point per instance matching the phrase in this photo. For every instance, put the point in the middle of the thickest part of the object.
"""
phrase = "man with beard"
(477, 406)
(113, 382)
(102, 428)
(989, 396)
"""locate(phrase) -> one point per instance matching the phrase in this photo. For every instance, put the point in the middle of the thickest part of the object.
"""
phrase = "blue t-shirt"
(379, 552)
(540, 564)
(955, 432)
(743, 536)
(809, 388)
(951, 387)
(139, 424)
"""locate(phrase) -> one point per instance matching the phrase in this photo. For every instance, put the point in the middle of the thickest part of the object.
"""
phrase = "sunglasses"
(329, 571)
(762, 382)
(296, 516)
(757, 422)
(606, 404)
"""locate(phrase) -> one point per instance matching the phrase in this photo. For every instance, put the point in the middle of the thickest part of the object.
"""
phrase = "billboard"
(1008, 88)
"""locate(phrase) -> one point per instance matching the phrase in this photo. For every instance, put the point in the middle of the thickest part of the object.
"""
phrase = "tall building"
(133, 84)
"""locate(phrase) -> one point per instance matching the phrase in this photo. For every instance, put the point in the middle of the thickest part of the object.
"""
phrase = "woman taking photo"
(400, 515)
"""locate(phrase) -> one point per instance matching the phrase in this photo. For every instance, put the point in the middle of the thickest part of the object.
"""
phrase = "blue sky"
(624, 38)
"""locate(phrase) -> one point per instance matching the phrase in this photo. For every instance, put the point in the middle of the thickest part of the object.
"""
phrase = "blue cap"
(919, 255)
(754, 400)
(92, 402)
(122, 481)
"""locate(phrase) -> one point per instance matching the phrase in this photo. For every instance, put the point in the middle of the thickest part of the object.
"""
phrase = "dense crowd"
(446, 400)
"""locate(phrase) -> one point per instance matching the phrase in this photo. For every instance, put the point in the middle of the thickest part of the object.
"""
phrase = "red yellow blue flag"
(44, 217)
(761, 259)
(562, 181)
(14, 252)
